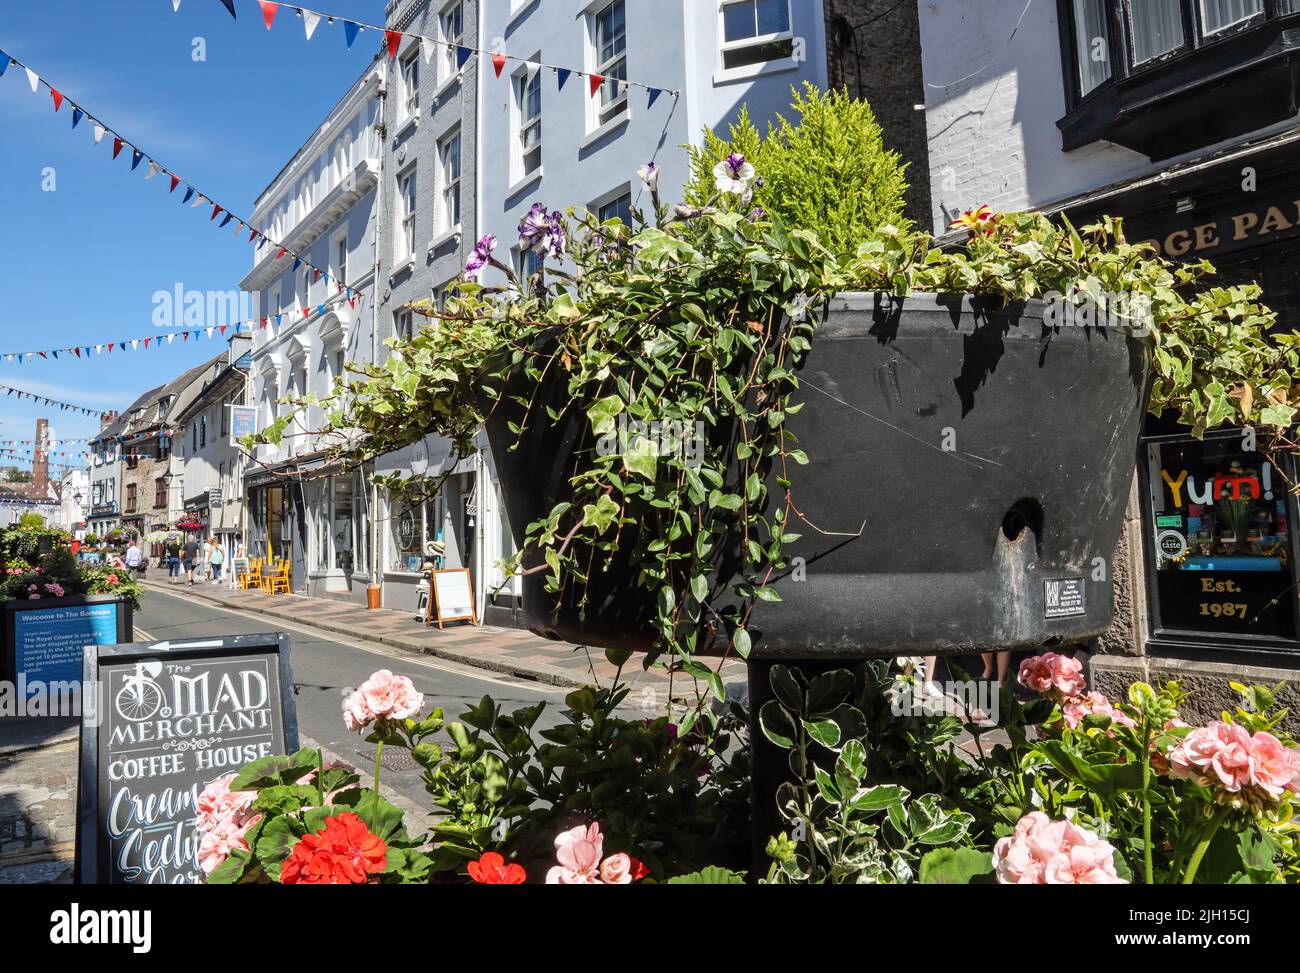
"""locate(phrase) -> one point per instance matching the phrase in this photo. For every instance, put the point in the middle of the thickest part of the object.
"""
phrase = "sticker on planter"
(1062, 597)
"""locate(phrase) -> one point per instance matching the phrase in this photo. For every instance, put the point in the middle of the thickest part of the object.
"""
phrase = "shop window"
(1219, 532)
(405, 537)
(342, 523)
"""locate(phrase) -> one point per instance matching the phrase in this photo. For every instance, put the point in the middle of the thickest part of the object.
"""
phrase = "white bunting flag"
(32, 79)
(171, 338)
(199, 200)
(99, 133)
(530, 69)
(176, 6)
(135, 344)
(154, 169)
(426, 48)
(210, 330)
(309, 21)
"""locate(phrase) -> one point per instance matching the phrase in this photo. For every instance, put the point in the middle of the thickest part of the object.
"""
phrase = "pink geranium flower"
(1052, 674)
(1218, 754)
(1074, 710)
(578, 852)
(383, 696)
(226, 836)
(1046, 852)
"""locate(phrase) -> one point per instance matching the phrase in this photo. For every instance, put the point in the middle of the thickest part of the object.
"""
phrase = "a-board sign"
(43, 638)
(173, 717)
(453, 597)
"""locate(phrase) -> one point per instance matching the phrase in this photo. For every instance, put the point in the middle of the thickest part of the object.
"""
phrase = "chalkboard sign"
(43, 639)
(453, 597)
(173, 716)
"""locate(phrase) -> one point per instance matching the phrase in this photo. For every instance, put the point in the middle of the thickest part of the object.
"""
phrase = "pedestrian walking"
(217, 559)
(173, 552)
(207, 559)
(191, 557)
(133, 559)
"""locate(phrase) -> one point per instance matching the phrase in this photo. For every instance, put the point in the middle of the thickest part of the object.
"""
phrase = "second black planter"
(969, 469)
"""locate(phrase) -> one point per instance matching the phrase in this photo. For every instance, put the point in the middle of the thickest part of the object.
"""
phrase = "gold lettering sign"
(1257, 224)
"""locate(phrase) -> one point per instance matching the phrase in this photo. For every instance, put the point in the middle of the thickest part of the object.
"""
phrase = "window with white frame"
(409, 88)
(609, 37)
(406, 213)
(404, 323)
(341, 260)
(449, 190)
(528, 99)
(452, 23)
(527, 263)
(755, 32)
(618, 208)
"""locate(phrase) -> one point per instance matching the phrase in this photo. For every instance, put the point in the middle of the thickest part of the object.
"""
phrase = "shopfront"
(1216, 578)
(337, 512)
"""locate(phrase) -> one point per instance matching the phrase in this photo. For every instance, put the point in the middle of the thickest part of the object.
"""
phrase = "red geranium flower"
(344, 852)
(492, 869)
(113, 579)
(639, 871)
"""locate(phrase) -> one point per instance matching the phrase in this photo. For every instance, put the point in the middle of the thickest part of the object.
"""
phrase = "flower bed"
(1124, 792)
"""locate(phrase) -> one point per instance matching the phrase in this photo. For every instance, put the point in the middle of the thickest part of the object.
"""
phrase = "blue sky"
(82, 264)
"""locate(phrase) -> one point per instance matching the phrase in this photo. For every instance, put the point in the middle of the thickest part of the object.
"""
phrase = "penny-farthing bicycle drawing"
(140, 697)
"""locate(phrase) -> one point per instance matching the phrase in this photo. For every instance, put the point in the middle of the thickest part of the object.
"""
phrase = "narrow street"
(325, 669)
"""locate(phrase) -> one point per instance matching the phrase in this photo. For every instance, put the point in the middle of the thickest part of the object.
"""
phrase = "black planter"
(969, 464)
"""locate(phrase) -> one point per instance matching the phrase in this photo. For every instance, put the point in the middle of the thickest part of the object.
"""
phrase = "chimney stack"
(41, 461)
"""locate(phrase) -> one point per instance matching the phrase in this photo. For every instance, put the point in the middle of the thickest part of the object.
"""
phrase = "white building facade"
(317, 322)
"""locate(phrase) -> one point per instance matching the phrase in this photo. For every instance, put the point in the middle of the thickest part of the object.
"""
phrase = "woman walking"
(216, 559)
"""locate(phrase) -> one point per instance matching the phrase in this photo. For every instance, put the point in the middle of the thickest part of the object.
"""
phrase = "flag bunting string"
(393, 41)
(193, 195)
(270, 323)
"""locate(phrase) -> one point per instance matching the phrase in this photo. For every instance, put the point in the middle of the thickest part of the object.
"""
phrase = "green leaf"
(785, 685)
(602, 414)
(825, 732)
(777, 724)
(955, 866)
(600, 514)
(740, 642)
(712, 875)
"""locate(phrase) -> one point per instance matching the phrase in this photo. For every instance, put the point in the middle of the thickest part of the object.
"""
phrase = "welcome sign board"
(43, 639)
(175, 716)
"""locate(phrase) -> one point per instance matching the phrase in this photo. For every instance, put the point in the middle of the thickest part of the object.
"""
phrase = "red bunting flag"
(146, 343)
(252, 236)
(176, 181)
(498, 62)
(269, 10)
(394, 40)
(185, 336)
(263, 322)
(282, 252)
(58, 99)
(596, 81)
(117, 147)
(223, 329)
(316, 274)
(216, 211)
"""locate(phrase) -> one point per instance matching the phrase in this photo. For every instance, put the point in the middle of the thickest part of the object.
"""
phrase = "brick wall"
(874, 51)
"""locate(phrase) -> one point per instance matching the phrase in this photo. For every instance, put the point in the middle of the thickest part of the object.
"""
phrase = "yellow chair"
(278, 580)
(252, 578)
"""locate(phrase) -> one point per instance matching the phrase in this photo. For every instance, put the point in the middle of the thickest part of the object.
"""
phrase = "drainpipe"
(374, 592)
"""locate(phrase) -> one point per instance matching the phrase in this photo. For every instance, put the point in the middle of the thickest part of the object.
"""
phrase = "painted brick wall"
(873, 51)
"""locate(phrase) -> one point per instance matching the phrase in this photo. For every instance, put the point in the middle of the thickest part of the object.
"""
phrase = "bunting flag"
(51, 403)
(393, 40)
(654, 96)
(155, 167)
(93, 349)
(596, 81)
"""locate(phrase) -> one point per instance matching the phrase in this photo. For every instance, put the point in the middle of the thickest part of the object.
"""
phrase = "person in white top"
(207, 560)
(133, 558)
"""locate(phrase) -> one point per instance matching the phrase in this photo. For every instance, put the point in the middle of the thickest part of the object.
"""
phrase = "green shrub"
(827, 171)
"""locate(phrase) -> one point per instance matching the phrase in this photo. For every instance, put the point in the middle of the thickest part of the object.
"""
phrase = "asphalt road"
(325, 669)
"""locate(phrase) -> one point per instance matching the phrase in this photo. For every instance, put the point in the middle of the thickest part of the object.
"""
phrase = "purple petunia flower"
(543, 231)
(482, 253)
(733, 174)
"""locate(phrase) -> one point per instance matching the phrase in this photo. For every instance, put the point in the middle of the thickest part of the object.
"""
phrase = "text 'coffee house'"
(1215, 564)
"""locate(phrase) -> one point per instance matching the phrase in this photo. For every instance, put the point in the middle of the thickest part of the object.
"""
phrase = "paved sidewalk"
(511, 651)
(38, 800)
